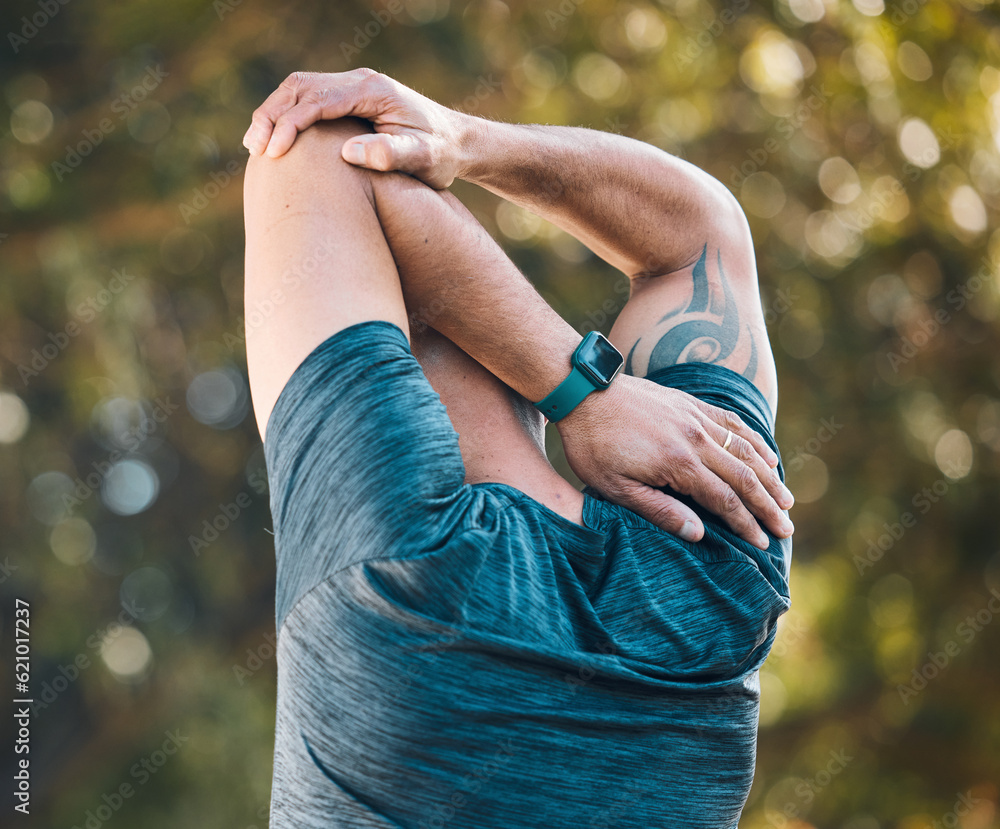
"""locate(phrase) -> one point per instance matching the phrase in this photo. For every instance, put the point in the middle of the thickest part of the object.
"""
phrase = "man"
(465, 639)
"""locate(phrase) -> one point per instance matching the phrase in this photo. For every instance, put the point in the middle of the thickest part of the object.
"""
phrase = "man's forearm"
(478, 299)
(639, 208)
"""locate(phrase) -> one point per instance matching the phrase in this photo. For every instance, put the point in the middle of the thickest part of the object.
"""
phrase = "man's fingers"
(730, 420)
(665, 512)
(264, 117)
(256, 138)
(716, 494)
(752, 449)
(315, 105)
(777, 496)
(749, 484)
(305, 98)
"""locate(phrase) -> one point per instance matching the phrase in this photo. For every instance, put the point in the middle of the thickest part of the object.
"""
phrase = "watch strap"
(566, 396)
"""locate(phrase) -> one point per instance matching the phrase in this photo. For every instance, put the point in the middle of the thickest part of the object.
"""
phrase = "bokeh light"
(772, 65)
(14, 417)
(50, 497)
(599, 77)
(73, 541)
(839, 180)
(918, 143)
(130, 487)
(31, 122)
(967, 209)
(763, 195)
(218, 398)
(127, 655)
(953, 454)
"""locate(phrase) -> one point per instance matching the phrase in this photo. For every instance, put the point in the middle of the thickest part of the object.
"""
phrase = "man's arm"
(673, 229)
(640, 209)
(643, 435)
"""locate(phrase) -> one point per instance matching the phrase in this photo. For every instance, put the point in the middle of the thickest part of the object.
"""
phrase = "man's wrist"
(601, 403)
(593, 366)
(473, 138)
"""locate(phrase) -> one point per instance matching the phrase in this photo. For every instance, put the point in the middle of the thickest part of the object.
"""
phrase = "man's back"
(456, 655)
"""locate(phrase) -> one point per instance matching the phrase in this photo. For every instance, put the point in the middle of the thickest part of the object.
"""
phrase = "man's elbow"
(726, 216)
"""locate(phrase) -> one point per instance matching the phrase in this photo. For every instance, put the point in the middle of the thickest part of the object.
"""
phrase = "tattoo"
(706, 331)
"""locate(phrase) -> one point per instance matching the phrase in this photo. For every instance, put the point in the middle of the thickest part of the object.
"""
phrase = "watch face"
(599, 359)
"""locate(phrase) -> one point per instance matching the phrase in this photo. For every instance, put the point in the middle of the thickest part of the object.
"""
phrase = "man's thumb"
(376, 152)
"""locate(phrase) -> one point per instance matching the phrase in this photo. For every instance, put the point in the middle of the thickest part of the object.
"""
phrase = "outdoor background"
(863, 141)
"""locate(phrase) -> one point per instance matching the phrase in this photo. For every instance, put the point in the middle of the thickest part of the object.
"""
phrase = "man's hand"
(413, 134)
(637, 435)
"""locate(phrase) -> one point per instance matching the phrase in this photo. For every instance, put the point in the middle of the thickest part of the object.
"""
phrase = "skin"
(393, 244)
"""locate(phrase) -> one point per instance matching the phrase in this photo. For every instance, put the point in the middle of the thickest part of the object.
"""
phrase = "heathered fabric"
(461, 656)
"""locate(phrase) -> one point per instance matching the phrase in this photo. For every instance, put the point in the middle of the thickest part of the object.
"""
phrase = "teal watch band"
(566, 396)
(595, 363)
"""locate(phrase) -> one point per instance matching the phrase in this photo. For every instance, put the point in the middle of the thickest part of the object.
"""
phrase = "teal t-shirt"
(455, 655)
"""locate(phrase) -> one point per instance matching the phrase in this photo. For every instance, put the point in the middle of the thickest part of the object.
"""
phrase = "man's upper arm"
(706, 311)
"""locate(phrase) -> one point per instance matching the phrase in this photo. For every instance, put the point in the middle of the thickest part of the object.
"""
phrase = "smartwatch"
(596, 362)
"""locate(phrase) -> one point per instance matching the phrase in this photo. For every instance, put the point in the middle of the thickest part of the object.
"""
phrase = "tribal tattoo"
(706, 331)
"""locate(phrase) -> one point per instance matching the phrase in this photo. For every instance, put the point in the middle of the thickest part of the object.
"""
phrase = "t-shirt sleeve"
(362, 458)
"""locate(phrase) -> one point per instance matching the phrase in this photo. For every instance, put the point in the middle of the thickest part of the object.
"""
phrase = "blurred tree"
(863, 140)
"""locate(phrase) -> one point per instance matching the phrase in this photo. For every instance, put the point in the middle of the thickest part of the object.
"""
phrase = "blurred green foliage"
(863, 140)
